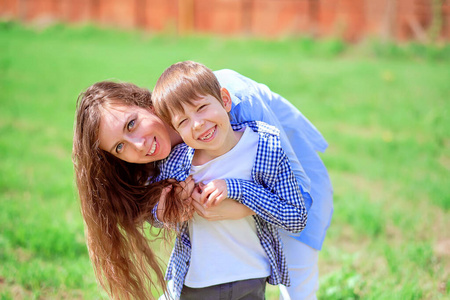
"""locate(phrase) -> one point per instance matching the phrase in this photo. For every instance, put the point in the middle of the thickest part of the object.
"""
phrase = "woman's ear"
(226, 99)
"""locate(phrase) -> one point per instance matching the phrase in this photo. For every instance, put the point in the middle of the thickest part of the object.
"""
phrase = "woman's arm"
(228, 209)
(253, 101)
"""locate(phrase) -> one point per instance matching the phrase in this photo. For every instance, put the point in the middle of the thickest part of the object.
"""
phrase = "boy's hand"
(183, 191)
(213, 193)
(162, 203)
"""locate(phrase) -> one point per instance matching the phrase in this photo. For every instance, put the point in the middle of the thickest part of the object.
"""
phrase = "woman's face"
(133, 134)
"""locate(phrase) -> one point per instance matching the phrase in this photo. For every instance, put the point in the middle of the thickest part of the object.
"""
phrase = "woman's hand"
(226, 209)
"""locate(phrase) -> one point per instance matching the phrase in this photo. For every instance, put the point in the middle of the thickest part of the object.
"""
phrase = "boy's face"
(205, 125)
(133, 134)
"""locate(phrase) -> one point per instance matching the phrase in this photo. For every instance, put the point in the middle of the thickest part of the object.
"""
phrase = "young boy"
(213, 259)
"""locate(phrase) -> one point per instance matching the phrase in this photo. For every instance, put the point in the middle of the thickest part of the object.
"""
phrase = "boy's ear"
(226, 99)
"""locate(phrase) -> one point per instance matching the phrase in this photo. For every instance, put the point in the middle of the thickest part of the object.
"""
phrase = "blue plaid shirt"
(300, 139)
(274, 195)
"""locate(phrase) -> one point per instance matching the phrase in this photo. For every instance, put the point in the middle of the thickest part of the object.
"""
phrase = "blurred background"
(372, 76)
(352, 20)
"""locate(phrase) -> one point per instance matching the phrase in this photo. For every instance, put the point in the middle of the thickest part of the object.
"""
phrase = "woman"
(116, 199)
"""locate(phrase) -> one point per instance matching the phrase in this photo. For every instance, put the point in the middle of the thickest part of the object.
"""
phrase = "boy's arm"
(169, 169)
(168, 214)
(281, 204)
(155, 221)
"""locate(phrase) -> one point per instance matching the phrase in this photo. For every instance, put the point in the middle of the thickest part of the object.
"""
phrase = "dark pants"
(251, 289)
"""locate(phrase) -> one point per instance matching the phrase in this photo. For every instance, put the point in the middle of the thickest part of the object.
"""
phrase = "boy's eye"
(119, 148)
(181, 122)
(131, 124)
(202, 106)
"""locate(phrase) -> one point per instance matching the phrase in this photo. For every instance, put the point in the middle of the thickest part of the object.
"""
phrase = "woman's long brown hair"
(116, 199)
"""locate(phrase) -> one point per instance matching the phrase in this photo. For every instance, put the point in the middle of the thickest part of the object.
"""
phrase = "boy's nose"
(198, 123)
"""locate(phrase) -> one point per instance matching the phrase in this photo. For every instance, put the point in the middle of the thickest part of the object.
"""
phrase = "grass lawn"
(384, 110)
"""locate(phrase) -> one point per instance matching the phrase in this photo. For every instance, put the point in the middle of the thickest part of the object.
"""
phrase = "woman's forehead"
(124, 108)
(118, 106)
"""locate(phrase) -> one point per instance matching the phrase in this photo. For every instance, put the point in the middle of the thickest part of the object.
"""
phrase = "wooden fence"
(352, 20)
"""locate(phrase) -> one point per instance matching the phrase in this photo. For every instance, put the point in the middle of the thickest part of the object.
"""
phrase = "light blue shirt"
(300, 141)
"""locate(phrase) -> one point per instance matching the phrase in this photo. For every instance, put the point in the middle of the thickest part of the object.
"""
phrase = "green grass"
(383, 108)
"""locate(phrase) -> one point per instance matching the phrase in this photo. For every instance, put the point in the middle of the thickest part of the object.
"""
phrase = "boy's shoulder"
(269, 137)
(180, 156)
(258, 126)
(177, 153)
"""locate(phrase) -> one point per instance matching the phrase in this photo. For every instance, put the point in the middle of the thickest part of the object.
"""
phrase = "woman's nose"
(138, 142)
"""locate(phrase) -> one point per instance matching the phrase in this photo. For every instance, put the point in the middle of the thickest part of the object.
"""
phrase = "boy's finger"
(204, 195)
(188, 189)
(185, 188)
(217, 199)
(167, 189)
(212, 198)
(162, 202)
(190, 178)
(198, 208)
(164, 193)
(190, 185)
(196, 194)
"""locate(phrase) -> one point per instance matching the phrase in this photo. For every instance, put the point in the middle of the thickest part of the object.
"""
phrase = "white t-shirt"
(227, 250)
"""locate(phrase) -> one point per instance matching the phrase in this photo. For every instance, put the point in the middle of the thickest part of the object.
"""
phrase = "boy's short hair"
(182, 83)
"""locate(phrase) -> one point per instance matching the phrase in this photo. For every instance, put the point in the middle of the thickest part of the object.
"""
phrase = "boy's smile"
(205, 126)
(208, 135)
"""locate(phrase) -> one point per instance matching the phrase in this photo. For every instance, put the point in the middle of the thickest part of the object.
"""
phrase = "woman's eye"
(131, 124)
(119, 148)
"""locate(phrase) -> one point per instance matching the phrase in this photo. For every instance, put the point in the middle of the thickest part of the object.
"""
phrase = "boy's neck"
(175, 137)
(202, 156)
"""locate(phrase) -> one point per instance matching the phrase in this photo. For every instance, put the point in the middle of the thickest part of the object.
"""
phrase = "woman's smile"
(133, 134)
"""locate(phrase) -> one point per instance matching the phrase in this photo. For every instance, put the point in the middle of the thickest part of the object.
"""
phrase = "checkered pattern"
(274, 196)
